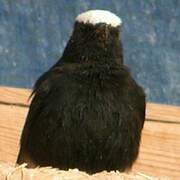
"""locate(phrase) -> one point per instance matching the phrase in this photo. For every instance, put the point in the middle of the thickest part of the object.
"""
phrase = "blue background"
(33, 34)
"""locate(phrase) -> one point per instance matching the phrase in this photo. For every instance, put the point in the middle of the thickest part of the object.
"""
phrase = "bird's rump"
(85, 117)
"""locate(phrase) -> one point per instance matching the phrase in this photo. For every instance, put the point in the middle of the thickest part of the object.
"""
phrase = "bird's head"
(95, 37)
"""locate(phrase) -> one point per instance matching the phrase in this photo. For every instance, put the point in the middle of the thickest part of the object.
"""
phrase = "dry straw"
(9, 172)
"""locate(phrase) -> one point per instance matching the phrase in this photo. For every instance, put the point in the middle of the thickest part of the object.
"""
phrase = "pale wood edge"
(154, 111)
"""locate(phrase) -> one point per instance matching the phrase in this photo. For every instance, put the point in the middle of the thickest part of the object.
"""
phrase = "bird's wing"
(45, 76)
(42, 89)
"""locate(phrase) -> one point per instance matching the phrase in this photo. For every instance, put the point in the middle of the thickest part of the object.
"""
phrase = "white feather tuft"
(99, 16)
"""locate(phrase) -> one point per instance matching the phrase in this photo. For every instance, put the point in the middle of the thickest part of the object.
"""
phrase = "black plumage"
(87, 112)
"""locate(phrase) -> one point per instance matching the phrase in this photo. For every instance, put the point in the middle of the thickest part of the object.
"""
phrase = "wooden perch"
(160, 144)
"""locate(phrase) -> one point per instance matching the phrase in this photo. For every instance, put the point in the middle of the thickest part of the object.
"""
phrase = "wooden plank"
(11, 123)
(160, 146)
(162, 112)
(154, 112)
(16, 96)
(159, 153)
(160, 150)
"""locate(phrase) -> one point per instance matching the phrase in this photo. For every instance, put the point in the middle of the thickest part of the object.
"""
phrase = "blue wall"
(33, 34)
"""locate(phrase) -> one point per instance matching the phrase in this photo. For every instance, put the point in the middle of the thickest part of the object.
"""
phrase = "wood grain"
(162, 112)
(160, 145)
(154, 112)
(11, 123)
(16, 96)
(160, 149)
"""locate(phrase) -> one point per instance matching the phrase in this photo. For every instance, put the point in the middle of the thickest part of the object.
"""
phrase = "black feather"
(87, 111)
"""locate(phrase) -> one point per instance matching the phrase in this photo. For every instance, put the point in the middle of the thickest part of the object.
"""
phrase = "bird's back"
(86, 116)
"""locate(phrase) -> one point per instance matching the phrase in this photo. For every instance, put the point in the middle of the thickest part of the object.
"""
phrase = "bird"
(87, 111)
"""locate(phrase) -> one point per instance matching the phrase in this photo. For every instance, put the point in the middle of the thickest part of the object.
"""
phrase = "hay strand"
(9, 172)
